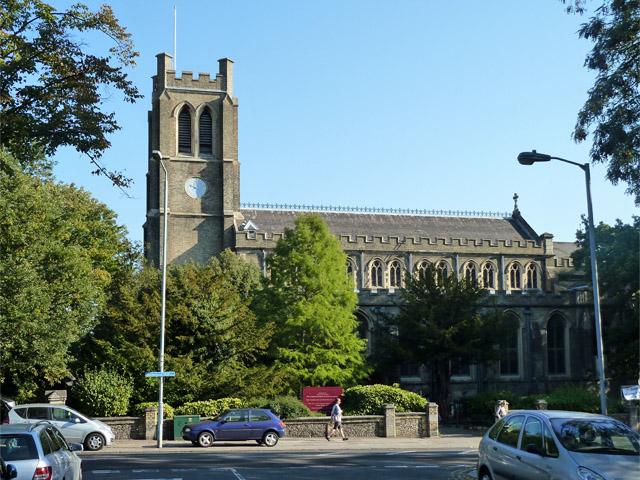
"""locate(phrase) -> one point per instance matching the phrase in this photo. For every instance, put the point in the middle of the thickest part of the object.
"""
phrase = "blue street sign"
(160, 374)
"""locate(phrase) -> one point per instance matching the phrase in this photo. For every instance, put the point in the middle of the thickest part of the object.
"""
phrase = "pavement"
(448, 440)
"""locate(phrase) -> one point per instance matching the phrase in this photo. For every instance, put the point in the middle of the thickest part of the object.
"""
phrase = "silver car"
(38, 451)
(557, 445)
(75, 427)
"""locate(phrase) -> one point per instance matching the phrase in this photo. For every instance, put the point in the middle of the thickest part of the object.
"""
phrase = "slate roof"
(564, 249)
(344, 223)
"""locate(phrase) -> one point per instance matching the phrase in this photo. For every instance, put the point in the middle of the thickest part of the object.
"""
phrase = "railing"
(385, 211)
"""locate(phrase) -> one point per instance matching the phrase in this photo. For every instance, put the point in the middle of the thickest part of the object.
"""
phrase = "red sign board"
(320, 399)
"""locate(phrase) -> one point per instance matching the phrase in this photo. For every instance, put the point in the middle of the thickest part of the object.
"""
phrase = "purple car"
(257, 424)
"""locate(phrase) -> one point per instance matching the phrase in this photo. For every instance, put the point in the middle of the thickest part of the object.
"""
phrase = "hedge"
(210, 408)
(103, 393)
(370, 399)
(283, 406)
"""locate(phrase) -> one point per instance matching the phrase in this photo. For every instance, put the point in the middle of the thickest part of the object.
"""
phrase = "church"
(193, 127)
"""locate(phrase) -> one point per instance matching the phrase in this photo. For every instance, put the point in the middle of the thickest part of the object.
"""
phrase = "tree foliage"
(52, 87)
(611, 112)
(440, 323)
(212, 340)
(311, 301)
(60, 250)
(618, 255)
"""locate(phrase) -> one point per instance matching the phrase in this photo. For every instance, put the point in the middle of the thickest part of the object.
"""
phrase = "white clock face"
(195, 187)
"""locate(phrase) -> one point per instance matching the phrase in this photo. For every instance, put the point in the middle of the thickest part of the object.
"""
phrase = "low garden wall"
(391, 424)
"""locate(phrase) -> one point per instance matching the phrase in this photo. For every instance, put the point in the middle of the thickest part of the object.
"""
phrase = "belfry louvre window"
(184, 130)
(206, 132)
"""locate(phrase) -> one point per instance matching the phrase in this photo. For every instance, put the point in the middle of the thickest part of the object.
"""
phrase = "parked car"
(257, 424)
(75, 427)
(558, 445)
(7, 472)
(38, 451)
(6, 404)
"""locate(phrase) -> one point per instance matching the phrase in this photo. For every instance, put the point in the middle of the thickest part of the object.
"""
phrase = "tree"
(52, 88)
(213, 341)
(618, 255)
(60, 250)
(439, 323)
(311, 301)
(612, 109)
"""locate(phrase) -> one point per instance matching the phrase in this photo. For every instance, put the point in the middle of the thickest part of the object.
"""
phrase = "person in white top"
(336, 418)
(501, 409)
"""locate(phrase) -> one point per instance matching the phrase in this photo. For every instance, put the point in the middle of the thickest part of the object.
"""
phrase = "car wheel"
(94, 442)
(270, 439)
(484, 475)
(205, 439)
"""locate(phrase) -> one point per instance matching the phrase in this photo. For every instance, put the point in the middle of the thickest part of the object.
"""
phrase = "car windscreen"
(15, 447)
(601, 436)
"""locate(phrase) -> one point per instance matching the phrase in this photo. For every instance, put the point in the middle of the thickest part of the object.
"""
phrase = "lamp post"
(529, 158)
(157, 155)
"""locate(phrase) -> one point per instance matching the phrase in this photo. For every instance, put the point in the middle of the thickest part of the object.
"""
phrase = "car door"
(51, 456)
(70, 459)
(531, 456)
(260, 422)
(71, 426)
(502, 453)
(35, 414)
(235, 426)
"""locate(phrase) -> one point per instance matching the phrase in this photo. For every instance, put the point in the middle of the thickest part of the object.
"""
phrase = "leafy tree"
(440, 323)
(618, 255)
(60, 249)
(212, 338)
(52, 88)
(311, 301)
(612, 109)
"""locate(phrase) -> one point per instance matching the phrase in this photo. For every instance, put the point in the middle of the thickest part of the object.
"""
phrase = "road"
(269, 464)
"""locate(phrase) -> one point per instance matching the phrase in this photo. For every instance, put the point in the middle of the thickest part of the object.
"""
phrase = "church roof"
(376, 224)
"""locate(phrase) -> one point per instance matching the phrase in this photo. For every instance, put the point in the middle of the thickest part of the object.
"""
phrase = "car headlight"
(585, 474)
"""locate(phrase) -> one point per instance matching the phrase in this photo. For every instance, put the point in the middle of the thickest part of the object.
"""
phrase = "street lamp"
(529, 158)
(157, 155)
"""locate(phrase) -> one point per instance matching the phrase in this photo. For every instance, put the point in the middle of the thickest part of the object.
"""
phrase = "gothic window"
(442, 272)
(509, 347)
(205, 130)
(556, 346)
(351, 271)
(532, 276)
(184, 130)
(488, 276)
(515, 276)
(421, 268)
(376, 274)
(395, 274)
(460, 368)
(471, 273)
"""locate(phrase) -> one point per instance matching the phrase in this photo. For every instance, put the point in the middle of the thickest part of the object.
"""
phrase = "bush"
(370, 399)
(103, 393)
(284, 407)
(209, 408)
(167, 410)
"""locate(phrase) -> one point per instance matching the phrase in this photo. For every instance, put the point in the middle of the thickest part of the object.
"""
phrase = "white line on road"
(401, 453)
(238, 476)
(105, 472)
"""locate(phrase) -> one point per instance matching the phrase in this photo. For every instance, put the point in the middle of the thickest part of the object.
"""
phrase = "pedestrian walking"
(336, 419)
(502, 408)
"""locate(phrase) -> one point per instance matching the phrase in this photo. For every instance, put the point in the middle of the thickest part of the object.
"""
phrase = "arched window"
(184, 130)
(556, 346)
(205, 131)
(488, 275)
(395, 274)
(509, 347)
(351, 271)
(442, 272)
(471, 273)
(421, 268)
(376, 274)
(532, 276)
(515, 276)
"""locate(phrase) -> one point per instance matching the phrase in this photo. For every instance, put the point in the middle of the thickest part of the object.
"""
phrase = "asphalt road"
(268, 464)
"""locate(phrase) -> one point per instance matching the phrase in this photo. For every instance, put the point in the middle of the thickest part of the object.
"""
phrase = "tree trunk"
(442, 382)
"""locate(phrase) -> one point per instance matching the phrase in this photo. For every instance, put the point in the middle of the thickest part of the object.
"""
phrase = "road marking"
(401, 453)
(238, 476)
(105, 472)
(467, 452)
(396, 466)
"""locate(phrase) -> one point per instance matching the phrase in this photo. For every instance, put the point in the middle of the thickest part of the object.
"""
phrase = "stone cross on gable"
(515, 201)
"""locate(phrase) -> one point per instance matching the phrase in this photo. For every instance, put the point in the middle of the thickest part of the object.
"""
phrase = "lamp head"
(529, 158)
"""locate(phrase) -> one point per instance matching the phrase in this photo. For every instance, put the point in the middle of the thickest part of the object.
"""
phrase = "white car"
(75, 427)
(38, 451)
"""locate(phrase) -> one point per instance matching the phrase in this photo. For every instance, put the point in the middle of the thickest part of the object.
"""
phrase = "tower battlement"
(167, 77)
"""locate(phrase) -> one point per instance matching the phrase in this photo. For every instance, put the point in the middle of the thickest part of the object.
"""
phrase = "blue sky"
(403, 104)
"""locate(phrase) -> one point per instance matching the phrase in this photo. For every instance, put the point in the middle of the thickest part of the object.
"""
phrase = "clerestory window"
(515, 276)
(488, 275)
(376, 274)
(395, 274)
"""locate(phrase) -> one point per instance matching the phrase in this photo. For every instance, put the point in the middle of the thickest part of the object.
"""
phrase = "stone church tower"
(194, 125)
